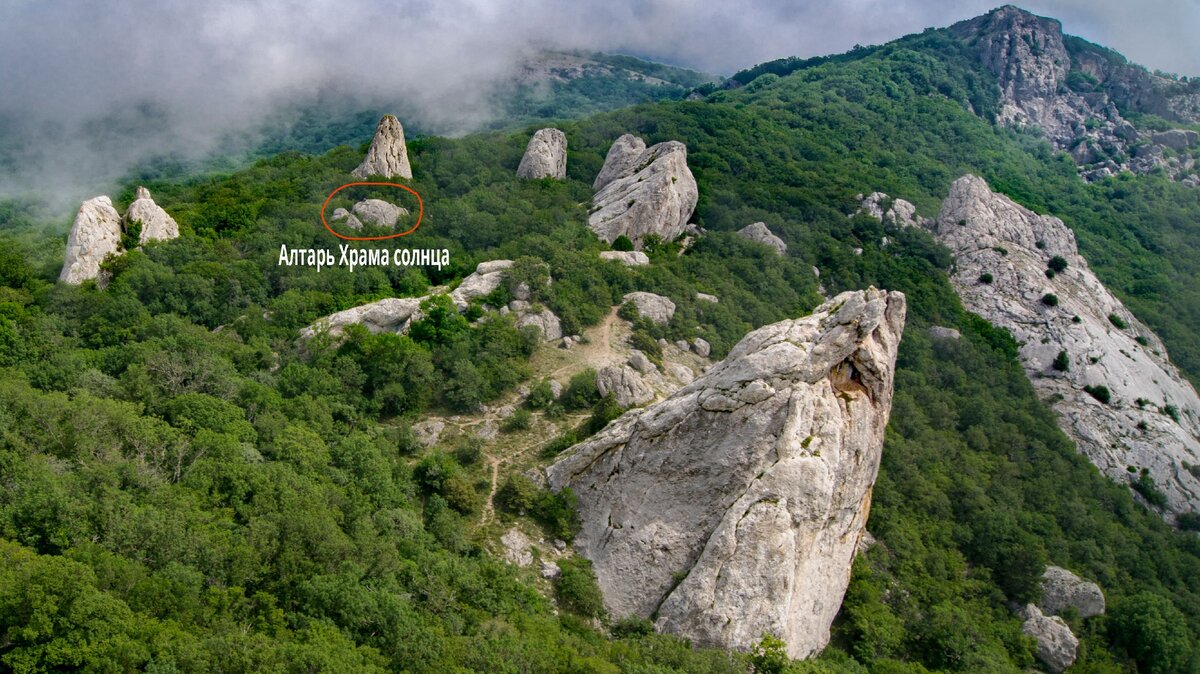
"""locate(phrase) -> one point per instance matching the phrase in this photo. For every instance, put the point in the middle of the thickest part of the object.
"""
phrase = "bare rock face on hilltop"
(1127, 407)
(648, 193)
(1074, 95)
(95, 235)
(388, 156)
(733, 508)
(545, 156)
(156, 224)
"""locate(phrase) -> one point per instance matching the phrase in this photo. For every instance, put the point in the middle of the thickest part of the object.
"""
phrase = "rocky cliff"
(1076, 95)
(732, 508)
(643, 193)
(156, 224)
(388, 155)
(1117, 394)
(95, 235)
(545, 156)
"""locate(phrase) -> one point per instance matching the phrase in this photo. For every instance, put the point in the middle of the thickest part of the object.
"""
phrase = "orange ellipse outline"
(420, 212)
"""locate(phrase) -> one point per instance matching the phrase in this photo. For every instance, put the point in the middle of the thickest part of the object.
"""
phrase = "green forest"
(188, 486)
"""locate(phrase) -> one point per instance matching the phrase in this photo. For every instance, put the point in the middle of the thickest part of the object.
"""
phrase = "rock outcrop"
(655, 308)
(653, 193)
(351, 220)
(1073, 95)
(621, 159)
(388, 155)
(95, 235)
(1062, 590)
(1057, 647)
(624, 384)
(759, 233)
(156, 224)
(1115, 391)
(733, 508)
(634, 258)
(378, 212)
(393, 314)
(887, 210)
(486, 278)
(545, 156)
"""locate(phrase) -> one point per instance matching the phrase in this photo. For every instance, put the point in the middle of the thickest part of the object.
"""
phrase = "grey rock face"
(1176, 139)
(1057, 647)
(393, 314)
(759, 233)
(639, 361)
(705, 297)
(95, 235)
(752, 483)
(938, 332)
(343, 215)
(1062, 589)
(652, 194)
(654, 307)
(701, 347)
(378, 212)
(388, 155)
(620, 160)
(429, 431)
(545, 156)
(888, 210)
(989, 233)
(486, 278)
(634, 258)
(157, 225)
(545, 321)
(625, 384)
(517, 547)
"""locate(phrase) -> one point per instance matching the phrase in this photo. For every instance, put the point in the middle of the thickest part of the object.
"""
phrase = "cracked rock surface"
(733, 507)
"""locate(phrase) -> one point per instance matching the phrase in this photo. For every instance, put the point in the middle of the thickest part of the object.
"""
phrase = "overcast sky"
(212, 65)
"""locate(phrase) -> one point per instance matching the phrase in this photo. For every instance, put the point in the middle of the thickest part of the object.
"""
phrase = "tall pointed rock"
(156, 224)
(95, 235)
(388, 156)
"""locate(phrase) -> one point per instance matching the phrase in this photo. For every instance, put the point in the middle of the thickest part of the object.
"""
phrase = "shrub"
(581, 391)
(1117, 321)
(519, 421)
(1189, 521)
(558, 512)
(559, 445)
(541, 396)
(1171, 411)
(622, 243)
(1100, 393)
(1062, 362)
(469, 452)
(1050, 273)
(1050, 300)
(1146, 486)
(1058, 264)
(1153, 631)
(629, 312)
(632, 626)
(576, 589)
(517, 495)
(985, 277)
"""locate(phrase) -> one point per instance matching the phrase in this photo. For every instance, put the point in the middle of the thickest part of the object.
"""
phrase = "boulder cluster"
(98, 230)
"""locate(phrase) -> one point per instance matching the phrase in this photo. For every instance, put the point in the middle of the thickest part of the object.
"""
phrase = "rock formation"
(759, 233)
(621, 159)
(1057, 647)
(545, 156)
(733, 508)
(388, 156)
(378, 212)
(1079, 114)
(393, 314)
(351, 220)
(95, 235)
(652, 193)
(1115, 391)
(635, 258)
(655, 308)
(397, 314)
(887, 210)
(156, 224)
(1062, 590)
(625, 384)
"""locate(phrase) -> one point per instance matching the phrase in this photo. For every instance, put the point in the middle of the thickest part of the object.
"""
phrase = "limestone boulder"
(95, 234)
(652, 194)
(656, 308)
(1062, 590)
(733, 508)
(545, 156)
(759, 233)
(156, 224)
(388, 154)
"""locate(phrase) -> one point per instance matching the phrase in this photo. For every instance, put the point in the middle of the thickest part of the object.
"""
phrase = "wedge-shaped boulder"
(388, 155)
(95, 235)
(545, 156)
(733, 508)
(653, 193)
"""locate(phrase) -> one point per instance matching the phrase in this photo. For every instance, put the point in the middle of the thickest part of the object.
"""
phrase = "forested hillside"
(187, 486)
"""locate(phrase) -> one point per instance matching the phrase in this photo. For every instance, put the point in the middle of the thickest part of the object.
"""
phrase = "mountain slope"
(236, 499)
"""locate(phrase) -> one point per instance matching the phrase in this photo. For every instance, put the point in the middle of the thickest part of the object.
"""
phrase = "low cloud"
(89, 89)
